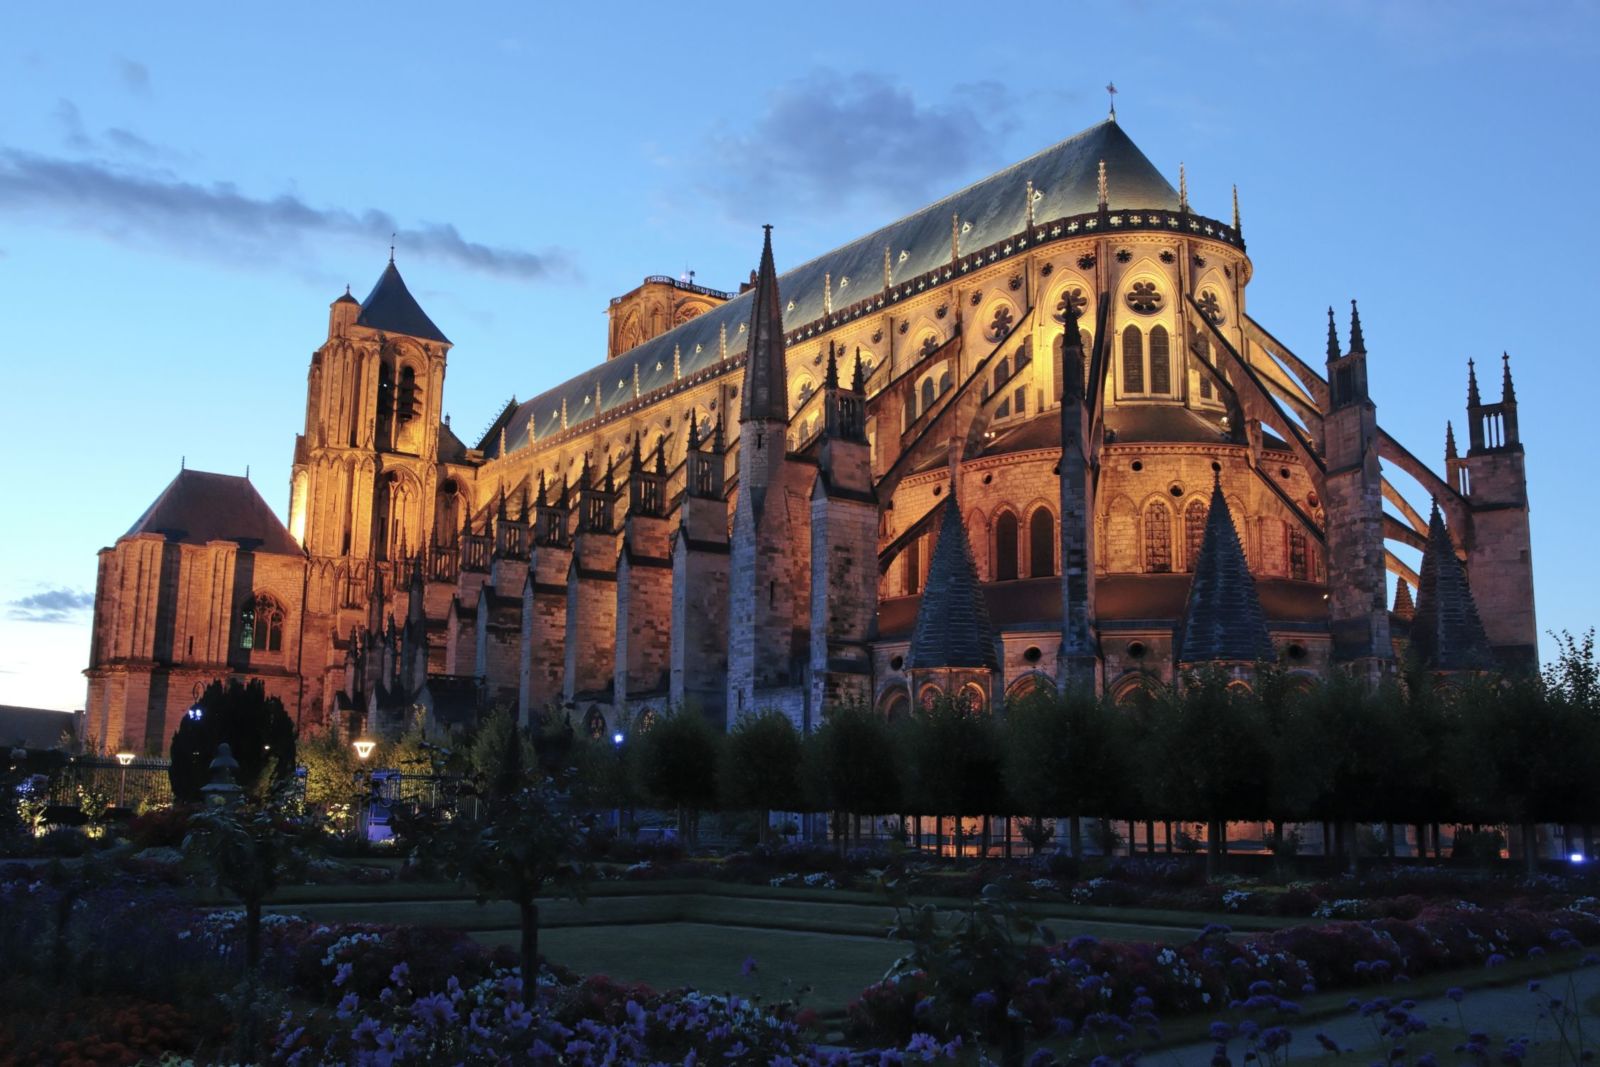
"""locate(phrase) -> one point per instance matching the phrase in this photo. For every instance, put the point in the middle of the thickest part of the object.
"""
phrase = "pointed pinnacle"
(542, 500)
(831, 380)
(637, 459)
(1237, 228)
(661, 454)
(1508, 394)
(1183, 188)
(694, 432)
(1333, 337)
(1102, 187)
(1357, 342)
(1450, 442)
(1473, 400)
(858, 379)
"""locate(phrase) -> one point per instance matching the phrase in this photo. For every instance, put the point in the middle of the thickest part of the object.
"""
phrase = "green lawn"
(709, 958)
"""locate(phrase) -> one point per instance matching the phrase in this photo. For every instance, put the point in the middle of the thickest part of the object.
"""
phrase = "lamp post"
(123, 758)
(363, 747)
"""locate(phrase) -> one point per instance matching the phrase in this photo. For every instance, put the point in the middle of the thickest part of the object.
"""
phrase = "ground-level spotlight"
(616, 738)
(1577, 857)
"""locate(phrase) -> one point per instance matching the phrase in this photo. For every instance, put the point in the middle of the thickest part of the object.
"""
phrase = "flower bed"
(1066, 984)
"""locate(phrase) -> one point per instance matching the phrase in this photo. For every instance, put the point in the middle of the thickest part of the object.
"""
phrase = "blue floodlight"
(196, 712)
(1576, 857)
(616, 738)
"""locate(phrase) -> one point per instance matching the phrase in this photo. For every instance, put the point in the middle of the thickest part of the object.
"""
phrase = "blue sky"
(183, 192)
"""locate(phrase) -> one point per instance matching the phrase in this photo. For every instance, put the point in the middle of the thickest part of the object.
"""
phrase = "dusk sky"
(183, 193)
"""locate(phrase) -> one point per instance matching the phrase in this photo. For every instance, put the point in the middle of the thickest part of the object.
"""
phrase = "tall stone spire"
(1223, 620)
(1473, 399)
(953, 628)
(1446, 632)
(1508, 392)
(1450, 442)
(765, 391)
(1333, 338)
(1357, 342)
(1403, 606)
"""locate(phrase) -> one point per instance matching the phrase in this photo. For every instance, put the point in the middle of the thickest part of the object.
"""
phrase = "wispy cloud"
(51, 605)
(218, 220)
(134, 75)
(828, 140)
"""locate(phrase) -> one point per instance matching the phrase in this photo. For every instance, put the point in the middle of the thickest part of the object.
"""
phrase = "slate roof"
(1064, 177)
(198, 507)
(1223, 619)
(953, 627)
(1446, 633)
(391, 307)
(33, 728)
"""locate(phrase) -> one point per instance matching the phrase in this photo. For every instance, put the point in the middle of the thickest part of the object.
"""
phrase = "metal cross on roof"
(1111, 92)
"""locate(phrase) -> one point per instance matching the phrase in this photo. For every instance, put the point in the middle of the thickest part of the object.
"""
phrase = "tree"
(850, 763)
(254, 726)
(1036, 747)
(678, 766)
(524, 840)
(1213, 747)
(952, 758)
(761, 766)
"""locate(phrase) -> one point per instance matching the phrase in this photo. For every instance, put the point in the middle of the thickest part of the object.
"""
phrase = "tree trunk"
(1133, 837)
(1422, 841)
(530, 951)
(1277, 848)
(1168, 826)
(1150, 836)
(1530, 847)
(1211, 851)
(1075, 835)
(1588, 841)
(1352, 840)
(1388, 833)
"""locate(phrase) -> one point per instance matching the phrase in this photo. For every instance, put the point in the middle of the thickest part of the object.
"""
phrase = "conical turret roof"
(391, 307)
(1446, 633)
(953, 628)
(765, 392)
(1223, 619)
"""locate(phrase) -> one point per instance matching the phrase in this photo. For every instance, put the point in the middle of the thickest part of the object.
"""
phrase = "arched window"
(594, 724)
(929, 394)
(1202, 345)
(1002, 372)
(385, 402)
(647, 719)
(944, 382)
(1160, 361)
(1132, 360)
(972, 698)
(1157, 539)
(1041, 544)
(261, 625)
(896, 704)
(405, 403)
(1194, 532)
(1005, 547)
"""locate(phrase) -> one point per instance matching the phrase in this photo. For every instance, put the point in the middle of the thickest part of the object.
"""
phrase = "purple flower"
(748, 967)
(983, 1001)
(347, 1006)
(1495, 960)
(1455, 993)
(1533, 986)
(434, 1011)
(924, 1046)
(398, 975)
(342, 975)
(1221, 1032)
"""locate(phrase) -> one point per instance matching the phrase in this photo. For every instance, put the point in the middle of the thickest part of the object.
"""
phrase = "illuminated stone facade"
(738, 508)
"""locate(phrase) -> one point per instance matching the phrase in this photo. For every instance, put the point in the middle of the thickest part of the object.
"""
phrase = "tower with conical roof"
(364, 483)
(953, 648)
(768, 560)
(1499, 546)
(1446, 633)
(1222, 620)
(1358, 610)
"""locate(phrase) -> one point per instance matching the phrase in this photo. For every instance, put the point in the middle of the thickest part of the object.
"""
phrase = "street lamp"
(363, 748)
(124, 758)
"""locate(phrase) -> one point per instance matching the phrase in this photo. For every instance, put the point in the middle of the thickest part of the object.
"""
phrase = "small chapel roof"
(1446, 632)
(953, 627)
(391, 307)
(198, 507)
(1223, 620)
(1064, 179)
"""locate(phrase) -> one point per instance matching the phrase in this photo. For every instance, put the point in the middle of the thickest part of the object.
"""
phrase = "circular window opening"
(988, 479)
(1297, 651)
(1033, 654)
(896, 662)
(1136, 650)
(938, 489)
(1138, 466)
(1176, 490)
(1283, 472)
(449, 487)
(1216, 466)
